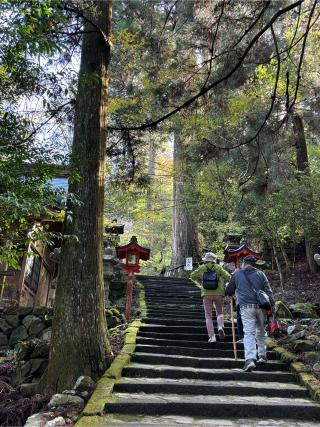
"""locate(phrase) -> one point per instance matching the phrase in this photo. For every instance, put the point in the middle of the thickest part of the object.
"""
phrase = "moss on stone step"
(285, 355)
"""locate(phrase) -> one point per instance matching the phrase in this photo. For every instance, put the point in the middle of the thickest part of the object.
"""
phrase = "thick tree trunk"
(185, 242)
(303, 167)
(79, 337)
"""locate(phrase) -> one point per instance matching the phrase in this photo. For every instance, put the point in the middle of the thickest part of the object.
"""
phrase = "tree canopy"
(211, 114)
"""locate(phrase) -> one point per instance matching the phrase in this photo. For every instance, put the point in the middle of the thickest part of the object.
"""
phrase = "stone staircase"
(176, 377)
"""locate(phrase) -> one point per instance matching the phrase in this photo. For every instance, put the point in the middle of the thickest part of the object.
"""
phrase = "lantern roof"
(233, 254)
(133, 246)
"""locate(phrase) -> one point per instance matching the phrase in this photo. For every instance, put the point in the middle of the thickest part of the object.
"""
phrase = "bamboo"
(233, 330)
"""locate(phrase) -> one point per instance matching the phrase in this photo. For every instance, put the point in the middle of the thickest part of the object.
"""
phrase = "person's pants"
(254, 323)
(208, 302)
(239, 324)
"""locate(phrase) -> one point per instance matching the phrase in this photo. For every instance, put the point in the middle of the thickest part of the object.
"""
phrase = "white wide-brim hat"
(210, 256)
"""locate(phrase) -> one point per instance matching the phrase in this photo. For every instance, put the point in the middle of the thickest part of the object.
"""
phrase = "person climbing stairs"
(176, 377)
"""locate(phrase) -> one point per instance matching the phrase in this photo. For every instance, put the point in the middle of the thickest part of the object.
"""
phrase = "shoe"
(212, 339)
(262, 360)
(249, 365)
(240, 341)
(221, 333)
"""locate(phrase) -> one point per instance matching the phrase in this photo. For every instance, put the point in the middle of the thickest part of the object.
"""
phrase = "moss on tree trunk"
(79, 338)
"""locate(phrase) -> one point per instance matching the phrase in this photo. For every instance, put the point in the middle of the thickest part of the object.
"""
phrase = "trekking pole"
(233, 330)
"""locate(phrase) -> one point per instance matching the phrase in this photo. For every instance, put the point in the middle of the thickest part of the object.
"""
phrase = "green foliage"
(25, 168)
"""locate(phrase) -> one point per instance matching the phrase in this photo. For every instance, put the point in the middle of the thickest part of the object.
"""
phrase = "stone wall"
(22, 323)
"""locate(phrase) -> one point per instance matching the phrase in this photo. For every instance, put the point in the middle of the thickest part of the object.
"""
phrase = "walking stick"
(233, 330)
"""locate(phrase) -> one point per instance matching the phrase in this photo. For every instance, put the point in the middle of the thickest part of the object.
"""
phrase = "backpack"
(210, 279)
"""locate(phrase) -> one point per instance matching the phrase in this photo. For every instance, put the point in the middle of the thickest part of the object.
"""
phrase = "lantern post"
(132, 253)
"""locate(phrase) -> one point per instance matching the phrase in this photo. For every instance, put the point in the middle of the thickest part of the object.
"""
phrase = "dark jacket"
(239, 285)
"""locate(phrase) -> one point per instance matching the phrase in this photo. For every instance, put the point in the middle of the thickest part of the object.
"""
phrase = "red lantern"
(132, 253)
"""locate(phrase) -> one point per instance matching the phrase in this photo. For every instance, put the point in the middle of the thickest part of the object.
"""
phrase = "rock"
(36, 328)
(24, 311)
(314, 338)
(36, 420)
(33, 324)
(282, 311)
(5, 327)
(65, 399)
(85, 394)
(29, 389)
(13, 320)
(111, 322)
(38, 366)
(25, 370)
(28, 320)
(296, 336)
(115, 312)
(302, 346)
(24, 349)
(3, 340)
(56, 422)
(312, 357)
(40, 312)
(72, 392)
(316, 367)
(41, 350)
(46, 334)
(303, 310)
(294, 328)
(84, 383)
(18, 334)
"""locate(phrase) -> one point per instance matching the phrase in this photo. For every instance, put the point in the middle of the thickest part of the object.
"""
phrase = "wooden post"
(129, 295)
(233, 330)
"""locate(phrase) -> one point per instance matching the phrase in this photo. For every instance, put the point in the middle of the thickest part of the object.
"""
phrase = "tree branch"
(204, 90)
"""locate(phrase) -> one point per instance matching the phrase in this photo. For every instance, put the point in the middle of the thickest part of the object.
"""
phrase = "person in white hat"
(211, 278)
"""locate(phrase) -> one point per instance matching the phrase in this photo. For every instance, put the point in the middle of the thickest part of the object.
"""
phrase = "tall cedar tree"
(79, 337)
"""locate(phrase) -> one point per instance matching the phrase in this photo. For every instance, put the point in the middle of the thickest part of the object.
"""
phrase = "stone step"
(172, 314)
(116, 420)
(172, 289)
(147, 279)
(167, 371)
(203, 363)
(180, 329)
(182, 336)
(176, 314)
(169, 284)
(192, 301)
(201, 387)
(177, 308)
(213, 406)
(187, 343)
(186, 292)
(195, 352)
(180, 322)
(180, 297)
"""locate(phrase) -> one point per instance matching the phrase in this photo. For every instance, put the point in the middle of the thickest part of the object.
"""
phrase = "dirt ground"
(299, 285)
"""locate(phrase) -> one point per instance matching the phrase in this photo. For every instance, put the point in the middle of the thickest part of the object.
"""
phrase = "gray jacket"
(239, 285)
